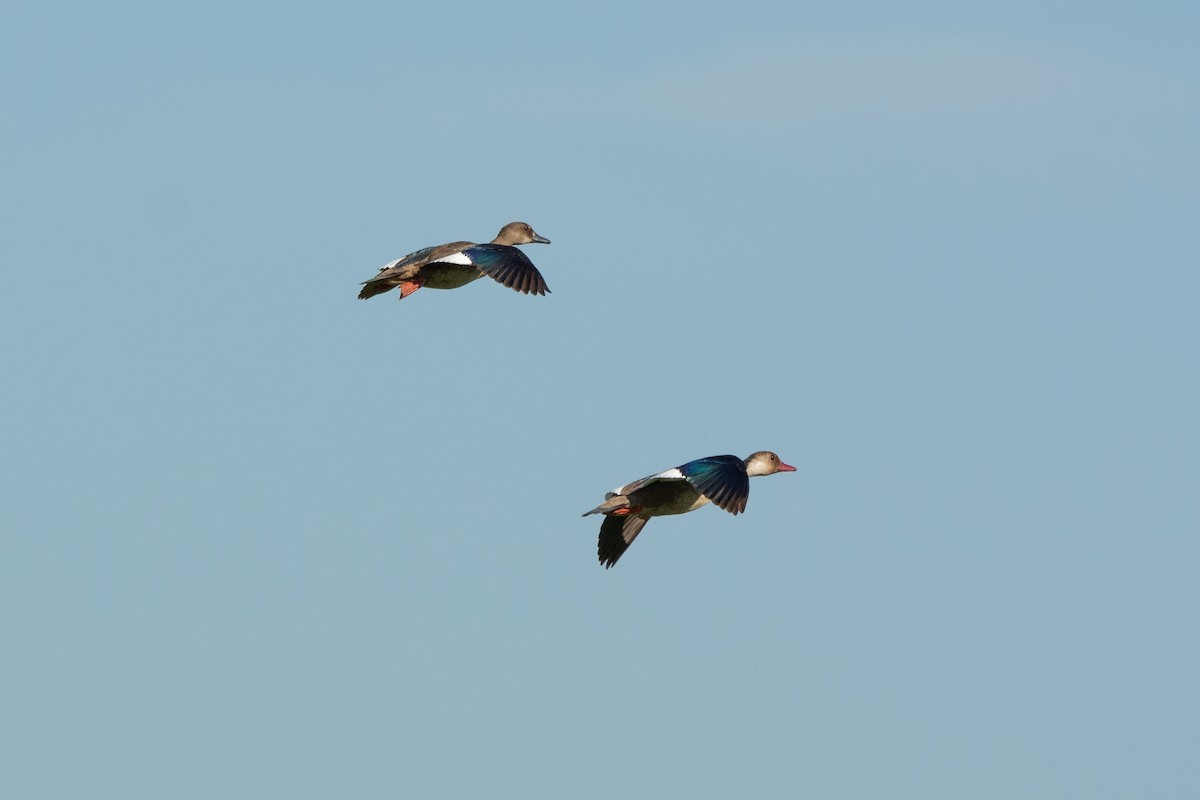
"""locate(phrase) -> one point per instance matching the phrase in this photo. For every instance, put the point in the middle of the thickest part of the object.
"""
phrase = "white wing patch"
(670, 474)
(456, 258)
(390, 264)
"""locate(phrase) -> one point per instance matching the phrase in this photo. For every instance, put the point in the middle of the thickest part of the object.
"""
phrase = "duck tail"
(610, 504)
(372, 288)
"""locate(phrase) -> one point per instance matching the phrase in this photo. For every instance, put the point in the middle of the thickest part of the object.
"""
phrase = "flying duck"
(723, 480)
(449, 266)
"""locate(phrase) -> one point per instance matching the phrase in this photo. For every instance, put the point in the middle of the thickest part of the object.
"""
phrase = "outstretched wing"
(722, 479)
(616, 534)
(507, 265)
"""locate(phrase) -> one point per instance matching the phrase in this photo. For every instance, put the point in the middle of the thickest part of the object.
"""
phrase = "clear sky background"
(264, 540)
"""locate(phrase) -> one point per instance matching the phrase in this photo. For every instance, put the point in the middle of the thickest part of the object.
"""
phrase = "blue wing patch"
(722, 479)
(508, 266)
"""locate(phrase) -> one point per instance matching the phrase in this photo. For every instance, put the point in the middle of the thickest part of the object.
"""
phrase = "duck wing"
(426, 255)
(506, 265)
(722, 479)
(616, 534)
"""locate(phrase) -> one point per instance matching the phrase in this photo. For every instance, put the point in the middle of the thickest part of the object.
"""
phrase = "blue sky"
(263, 540)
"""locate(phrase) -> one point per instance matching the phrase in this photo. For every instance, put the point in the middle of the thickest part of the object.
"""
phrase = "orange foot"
(625, 512)
(408, 287)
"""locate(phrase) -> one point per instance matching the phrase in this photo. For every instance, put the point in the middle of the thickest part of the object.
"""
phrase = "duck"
(722, 480)
(449, 266)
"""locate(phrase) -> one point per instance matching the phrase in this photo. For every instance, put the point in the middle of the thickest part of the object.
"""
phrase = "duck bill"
(785, 467)
(540, 239)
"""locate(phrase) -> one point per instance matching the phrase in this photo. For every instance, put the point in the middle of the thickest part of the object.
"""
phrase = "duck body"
(428, 264)
(453, 265)
(722, 480)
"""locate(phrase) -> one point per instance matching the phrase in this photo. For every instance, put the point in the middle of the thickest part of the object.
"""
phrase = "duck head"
(764, 462)
(518, 233)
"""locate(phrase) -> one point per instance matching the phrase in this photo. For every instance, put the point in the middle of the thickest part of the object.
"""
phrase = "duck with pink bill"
(721, 480)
